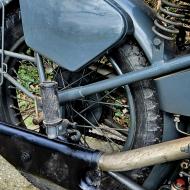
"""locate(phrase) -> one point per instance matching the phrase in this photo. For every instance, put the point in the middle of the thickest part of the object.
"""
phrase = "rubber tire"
(149, 124)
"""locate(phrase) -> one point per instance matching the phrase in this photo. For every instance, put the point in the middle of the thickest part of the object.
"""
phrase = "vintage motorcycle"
(95, 94)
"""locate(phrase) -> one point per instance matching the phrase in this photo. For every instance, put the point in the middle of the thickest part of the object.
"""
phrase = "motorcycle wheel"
(147, 129)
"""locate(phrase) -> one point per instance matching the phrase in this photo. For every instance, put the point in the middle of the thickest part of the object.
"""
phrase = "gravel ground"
(11, 179)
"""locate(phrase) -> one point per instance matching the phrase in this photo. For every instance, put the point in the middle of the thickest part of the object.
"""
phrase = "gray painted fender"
(173, 90)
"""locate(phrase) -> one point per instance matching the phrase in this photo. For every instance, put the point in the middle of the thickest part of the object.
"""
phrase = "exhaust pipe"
(146, 156)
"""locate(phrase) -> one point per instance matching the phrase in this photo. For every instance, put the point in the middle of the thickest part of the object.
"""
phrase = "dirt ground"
(11, 179)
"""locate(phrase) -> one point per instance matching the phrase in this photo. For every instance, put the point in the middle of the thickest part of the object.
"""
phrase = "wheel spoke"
(63, 80)
(98, 129)
(22, 99)
(103, 128)
(90, 106)
(58, 70)
(109, 140)
(71, 84)
(31, 113)
(105, 103)
(24, 112)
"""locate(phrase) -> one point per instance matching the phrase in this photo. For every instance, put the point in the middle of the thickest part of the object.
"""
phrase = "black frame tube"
(60, 162)
(153, 71)
(90, 157)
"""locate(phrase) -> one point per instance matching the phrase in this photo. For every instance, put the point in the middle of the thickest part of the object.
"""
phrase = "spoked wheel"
(103, 118)
(116, 120)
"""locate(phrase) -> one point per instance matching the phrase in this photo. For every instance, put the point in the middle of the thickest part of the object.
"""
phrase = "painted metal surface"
(72, 33)
(153, 71)
(63, 163)
(173, 91)
(141, 16)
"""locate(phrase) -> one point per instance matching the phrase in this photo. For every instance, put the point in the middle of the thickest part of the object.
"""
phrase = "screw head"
(157, 41)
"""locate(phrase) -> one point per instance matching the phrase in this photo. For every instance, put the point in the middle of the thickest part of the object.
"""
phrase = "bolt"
(25, 157)
(157, 41)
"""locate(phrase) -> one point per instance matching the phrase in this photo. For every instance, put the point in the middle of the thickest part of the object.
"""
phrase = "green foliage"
(28, 77)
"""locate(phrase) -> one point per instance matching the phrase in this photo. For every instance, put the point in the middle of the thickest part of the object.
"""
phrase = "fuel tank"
(72, 33)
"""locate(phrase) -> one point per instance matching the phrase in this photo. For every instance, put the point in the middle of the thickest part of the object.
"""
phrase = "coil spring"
(171, 18)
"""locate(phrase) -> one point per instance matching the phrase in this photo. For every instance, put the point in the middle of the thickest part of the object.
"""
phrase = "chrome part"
(146, 156)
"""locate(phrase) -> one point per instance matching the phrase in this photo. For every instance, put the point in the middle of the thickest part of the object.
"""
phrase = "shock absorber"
(172, 18)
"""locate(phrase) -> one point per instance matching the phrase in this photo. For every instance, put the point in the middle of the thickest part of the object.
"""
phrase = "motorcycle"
(95, 94)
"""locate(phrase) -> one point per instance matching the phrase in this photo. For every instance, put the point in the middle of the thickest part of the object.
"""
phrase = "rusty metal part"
(103, 138)
(146, 156)
(38, 119)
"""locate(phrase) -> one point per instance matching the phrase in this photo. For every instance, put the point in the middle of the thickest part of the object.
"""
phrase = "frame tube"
(2, 39)
(153, 71)
(146, 156)
(40, 67)
(19, 86)
(18, 56)
(67, 149)
(129, 183)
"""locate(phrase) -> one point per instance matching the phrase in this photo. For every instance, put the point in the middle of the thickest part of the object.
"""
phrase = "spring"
(171, 18)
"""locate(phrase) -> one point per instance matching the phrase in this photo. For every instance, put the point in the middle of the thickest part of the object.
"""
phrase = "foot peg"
(52, 120)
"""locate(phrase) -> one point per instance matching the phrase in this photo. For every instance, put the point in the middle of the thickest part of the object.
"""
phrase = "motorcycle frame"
(161, 65)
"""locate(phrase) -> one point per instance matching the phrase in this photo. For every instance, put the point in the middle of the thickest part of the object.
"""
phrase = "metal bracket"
(3, 68)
